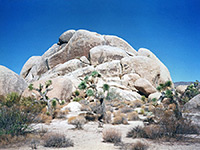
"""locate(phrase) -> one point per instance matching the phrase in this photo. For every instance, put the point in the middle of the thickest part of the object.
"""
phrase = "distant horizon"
(169, 29)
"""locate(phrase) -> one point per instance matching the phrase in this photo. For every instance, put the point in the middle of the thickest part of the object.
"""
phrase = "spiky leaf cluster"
(90, 92)
(106, 87)
(164, 86)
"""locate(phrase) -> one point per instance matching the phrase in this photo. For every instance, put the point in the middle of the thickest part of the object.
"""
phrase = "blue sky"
(169, 28)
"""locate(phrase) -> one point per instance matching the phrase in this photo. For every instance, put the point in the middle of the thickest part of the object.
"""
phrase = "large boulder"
(181, 88)
(79, 45)
(164, 74)
(62, 89)
(67, 67)
(144, 66)
(101, 54)
(73, 107)
(156, 95)
(10, 82)
(125, 94)
(118, 42)
(192, 110)
(193, 105)
(34, 68)
(144, 86)
(128, 80)
(66, 36)
(110, 69)
(52, 50)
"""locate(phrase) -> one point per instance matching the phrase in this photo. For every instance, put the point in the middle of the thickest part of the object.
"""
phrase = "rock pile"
(78, 53)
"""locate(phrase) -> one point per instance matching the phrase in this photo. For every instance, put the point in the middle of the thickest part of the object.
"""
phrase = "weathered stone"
(193, 105)
(67, 67)
(192, 110)
(34, 68)
(73, 107)
(110, 69)
(118, 42)
(181, 88)
(83, 59)
(59, 57)
(66, 36)
(10, 82)
(78, 46)
(104, 53)
(52, 50)
(147, 68)
(126, 95)
(144, 86)
(82, 72)
(154, 95)
(164, 72)
(129, 80)
(62, 89)
(127, 65)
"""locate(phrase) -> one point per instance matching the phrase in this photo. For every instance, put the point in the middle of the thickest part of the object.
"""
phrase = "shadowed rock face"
(10, 82)
(78, 53)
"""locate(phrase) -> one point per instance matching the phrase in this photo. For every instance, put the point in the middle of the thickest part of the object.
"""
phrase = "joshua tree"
(168, 92)
(89, 85)
(51, 103)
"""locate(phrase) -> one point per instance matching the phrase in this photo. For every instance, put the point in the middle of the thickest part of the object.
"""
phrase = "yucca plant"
(43, 93)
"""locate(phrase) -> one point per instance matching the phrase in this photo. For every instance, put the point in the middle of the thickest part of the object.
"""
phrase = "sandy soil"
(90, 138)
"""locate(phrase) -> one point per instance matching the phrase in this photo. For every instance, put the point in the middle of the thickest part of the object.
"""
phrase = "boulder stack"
(80, 52)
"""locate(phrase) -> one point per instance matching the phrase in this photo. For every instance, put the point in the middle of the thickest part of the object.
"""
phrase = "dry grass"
(126, 109)
(136, 103)
(120, 119)
(57, 140)
(85, 108)
(138, 146)
(111, 135)
(108, 117)
(77, 121)
(132, 116)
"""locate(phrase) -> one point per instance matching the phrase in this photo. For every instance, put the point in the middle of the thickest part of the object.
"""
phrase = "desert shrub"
(111, 135)
(120, 119)
(126, 109)
(29, 105)
(138, 146)
(11, 99)
(136, 132)
(15, 116)
(77, 99)
(57, 140)
(77, 121)
(173, 126)
(168, 127)
(113, 95)
(191, 91)
(85, 108)
(132, 116)
(13, 121)
(108, 117)
(136, 103)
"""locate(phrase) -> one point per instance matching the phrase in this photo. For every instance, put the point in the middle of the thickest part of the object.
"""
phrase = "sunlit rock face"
(80, 52)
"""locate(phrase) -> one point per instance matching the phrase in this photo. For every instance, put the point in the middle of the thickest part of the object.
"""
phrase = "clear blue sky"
(169, 28)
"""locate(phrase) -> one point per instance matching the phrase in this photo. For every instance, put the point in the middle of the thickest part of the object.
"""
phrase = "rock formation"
(10, 82)
(80, 52)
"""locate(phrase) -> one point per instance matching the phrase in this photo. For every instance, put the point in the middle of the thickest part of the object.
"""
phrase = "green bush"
(90, 92)
(11, 99)
(16, 114)
(191, 91)
(13, 121)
